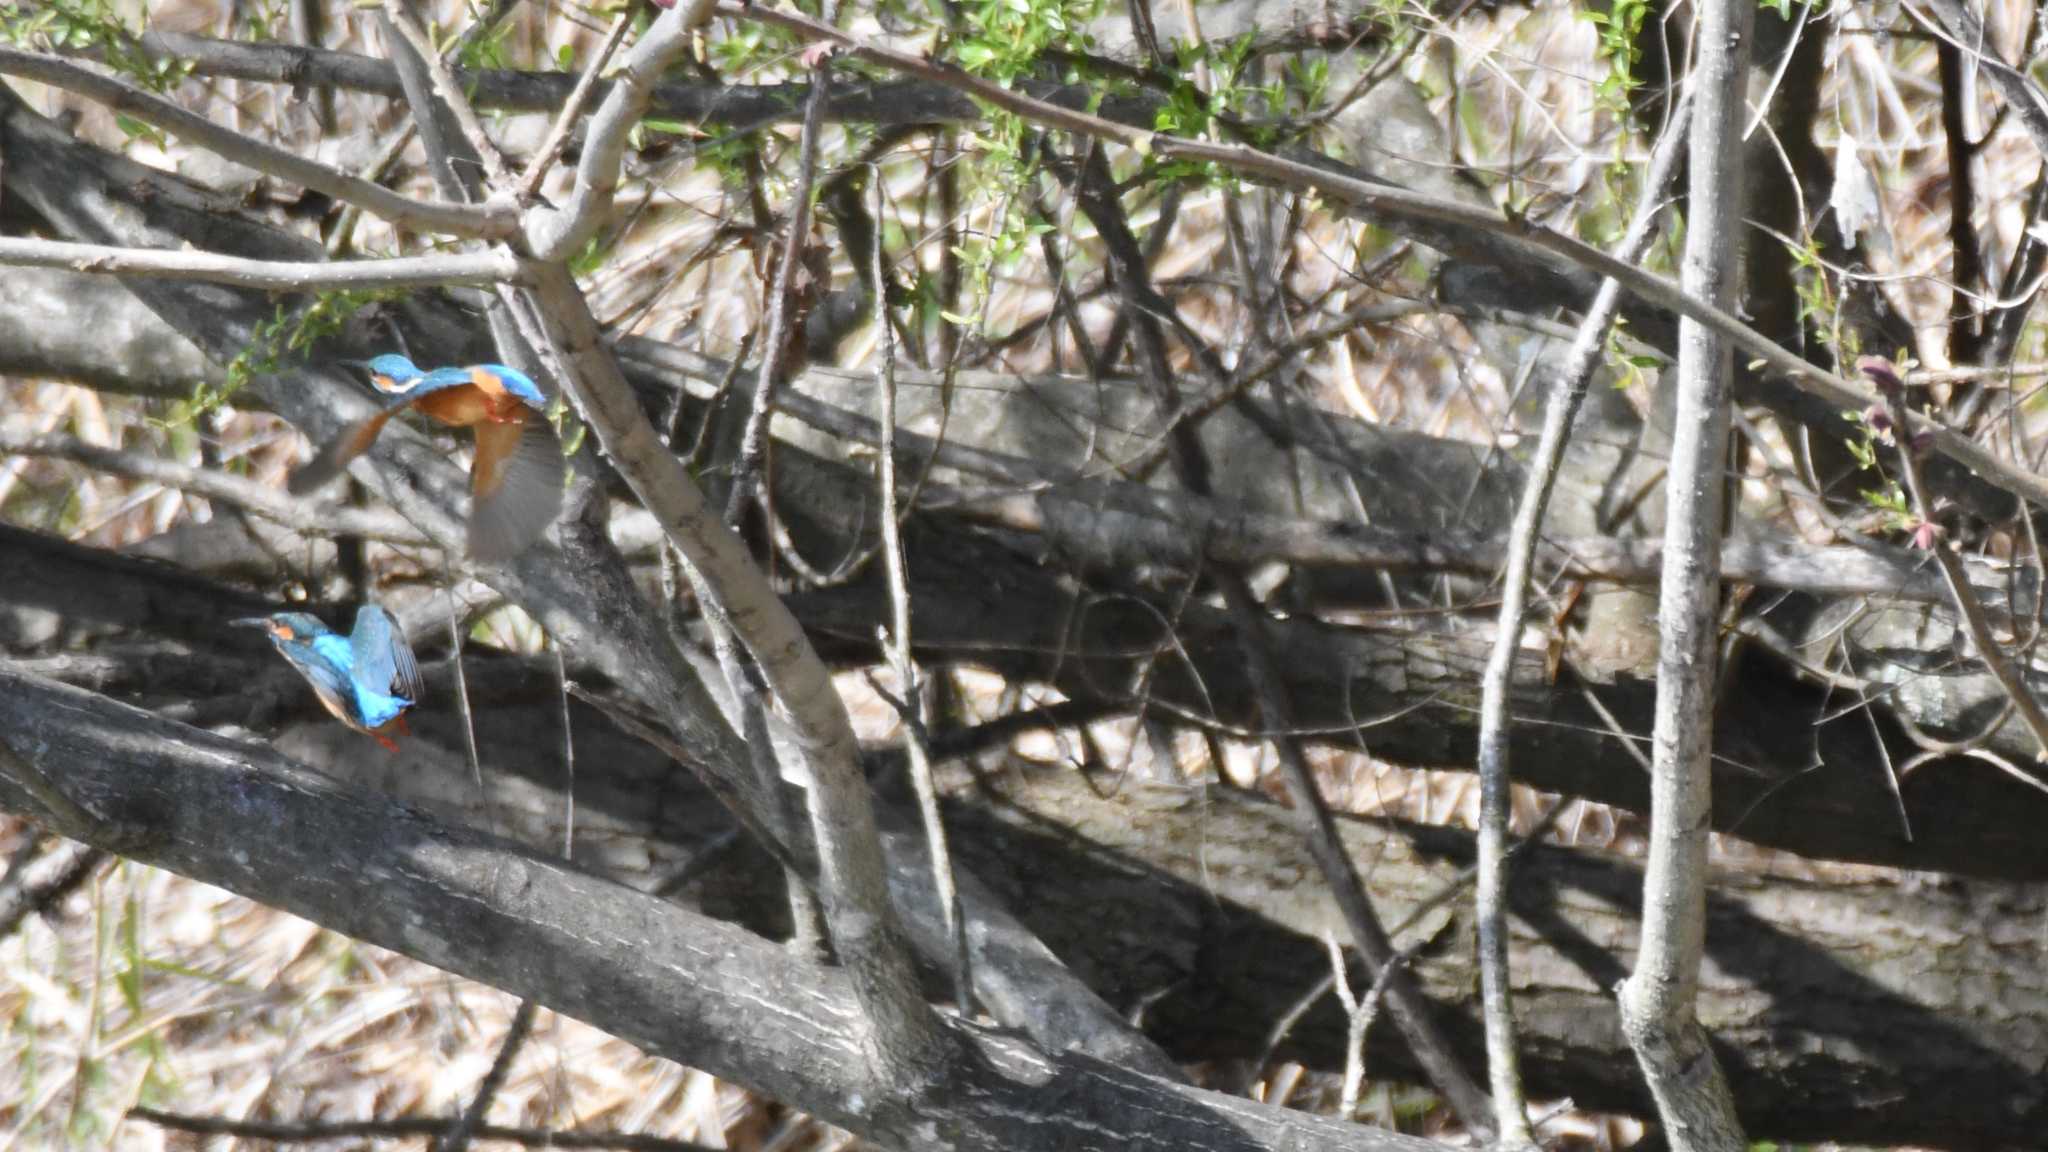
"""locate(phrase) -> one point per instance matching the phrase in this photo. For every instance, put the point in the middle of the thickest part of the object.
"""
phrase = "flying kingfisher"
(367, 679)
(516, 482)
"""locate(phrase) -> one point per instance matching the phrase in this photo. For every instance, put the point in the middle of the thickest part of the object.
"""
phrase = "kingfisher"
(367, 679)
(516, 481)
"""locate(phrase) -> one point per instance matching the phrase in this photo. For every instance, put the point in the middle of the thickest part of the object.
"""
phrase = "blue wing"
(383, 660)
(513, 381)
(321, 663)
(438, 380)
(492, 379)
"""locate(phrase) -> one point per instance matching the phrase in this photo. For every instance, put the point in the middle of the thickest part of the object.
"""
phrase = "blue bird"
(367, 680)
(516, 481)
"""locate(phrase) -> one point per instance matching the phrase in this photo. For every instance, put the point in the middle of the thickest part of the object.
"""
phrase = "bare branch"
(558, 234)
(23, 895)
(676, 983)
(402, 1127)
(1962, 30)
(1963, 596)
(488, 221)
(916, 714)
(852, 877)
(1658, 1001)
(1566, 394)
(779, 341)
(1366, 196)
(466, 1127)
(480, 268)
(399, 18)
(304, 516)
(572, 110)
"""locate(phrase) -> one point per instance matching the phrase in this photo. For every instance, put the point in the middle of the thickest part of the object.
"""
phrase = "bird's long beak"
(363, 364)
(250, 622)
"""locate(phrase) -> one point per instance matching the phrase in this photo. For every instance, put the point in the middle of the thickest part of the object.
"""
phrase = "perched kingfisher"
(367, 680)
(516, 482)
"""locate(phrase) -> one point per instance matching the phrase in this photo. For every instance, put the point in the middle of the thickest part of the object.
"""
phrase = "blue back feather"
(367, 679)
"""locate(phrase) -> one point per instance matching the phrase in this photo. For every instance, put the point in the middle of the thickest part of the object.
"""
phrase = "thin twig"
(304, 516)
(747, 479)
(1358, 1018)
(464, 1127)
(896, 639)
(471, 268)
(1365, 196)
(402, 20)
(1964, 597)
(1567, 392)
(572, 109)
(568, 754)
(485, 221)
(321, 1132)
(22, 895)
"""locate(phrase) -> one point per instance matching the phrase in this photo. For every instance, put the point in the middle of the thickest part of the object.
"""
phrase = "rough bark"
(1658, 1001)
(1866, 1006)
(677, 983)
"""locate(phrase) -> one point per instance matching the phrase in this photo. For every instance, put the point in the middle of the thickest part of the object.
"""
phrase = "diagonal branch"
(679, 984)
(905, 1037)
(399, 18)
(916, 714)
(851, 873)
(572, 110)
(1312, 171)
(1097, 199)
(486, 221)
(558, 234)
(780, 339)
(1967, 605)
(1566, 394)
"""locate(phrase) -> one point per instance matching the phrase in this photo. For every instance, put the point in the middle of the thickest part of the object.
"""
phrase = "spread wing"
(335, 455)
(490, 379)
(517, 487)
(383, 660)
